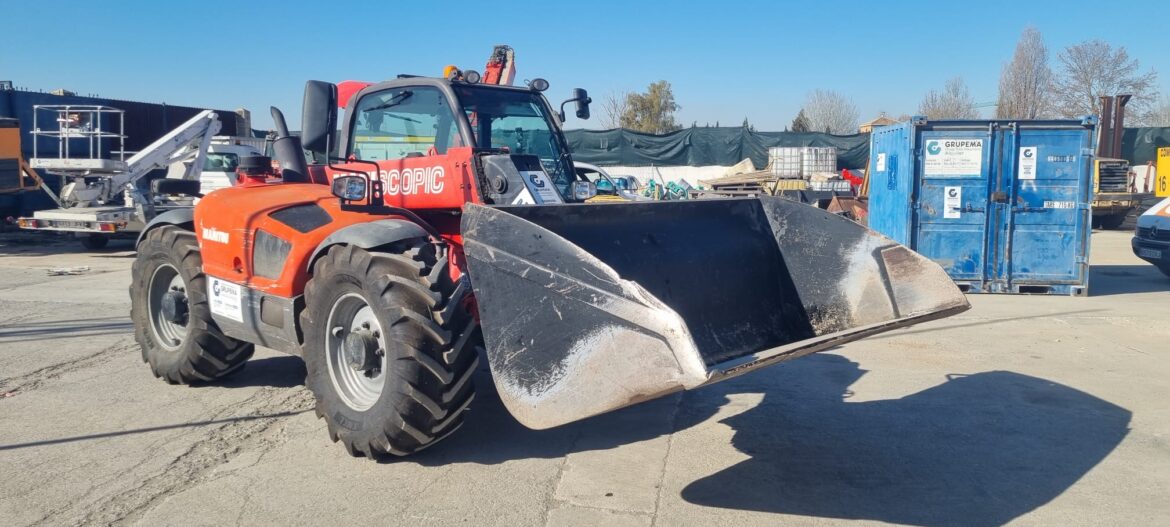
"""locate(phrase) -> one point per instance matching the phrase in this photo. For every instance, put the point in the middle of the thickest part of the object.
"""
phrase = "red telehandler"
(449, 219)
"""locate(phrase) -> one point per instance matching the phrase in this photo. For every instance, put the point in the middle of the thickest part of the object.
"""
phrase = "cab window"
(221, 162)
(403, 122)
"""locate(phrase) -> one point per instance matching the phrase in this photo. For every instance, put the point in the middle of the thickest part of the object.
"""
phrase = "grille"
(303, 218)
(1112, 177)
(1163, 235)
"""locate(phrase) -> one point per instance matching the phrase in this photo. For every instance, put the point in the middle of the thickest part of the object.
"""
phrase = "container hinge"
(1081, 259)
(1088, 152)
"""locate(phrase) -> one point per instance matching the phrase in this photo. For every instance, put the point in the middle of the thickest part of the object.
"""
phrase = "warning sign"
(1028, 162)
(1162, 173)
(952, 202)
(953, 157)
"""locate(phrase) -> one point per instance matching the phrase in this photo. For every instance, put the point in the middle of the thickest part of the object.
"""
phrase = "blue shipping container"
(1003, 206)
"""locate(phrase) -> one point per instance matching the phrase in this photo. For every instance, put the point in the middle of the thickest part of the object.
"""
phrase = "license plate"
(70, 224)
(1149, 253)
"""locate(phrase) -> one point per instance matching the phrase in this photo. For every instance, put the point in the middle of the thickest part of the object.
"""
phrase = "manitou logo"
(214, 235)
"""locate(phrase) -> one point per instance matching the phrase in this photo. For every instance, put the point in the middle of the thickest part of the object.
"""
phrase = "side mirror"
(349, 188)
(582, 190)
(583, 100)
(581, 97)
(319, 119)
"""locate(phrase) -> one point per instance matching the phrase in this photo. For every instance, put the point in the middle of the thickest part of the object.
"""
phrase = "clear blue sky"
(726, 60)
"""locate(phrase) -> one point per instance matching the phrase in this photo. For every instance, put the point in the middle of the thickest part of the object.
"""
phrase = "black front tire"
(95, 242)
(423, 383)
(194, 350)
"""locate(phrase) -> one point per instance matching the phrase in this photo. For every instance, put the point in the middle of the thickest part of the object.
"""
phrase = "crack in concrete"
(36, 379)
(678, 405)
(193, 465)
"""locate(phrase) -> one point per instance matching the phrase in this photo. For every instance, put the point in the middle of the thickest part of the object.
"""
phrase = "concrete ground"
(1023, 410)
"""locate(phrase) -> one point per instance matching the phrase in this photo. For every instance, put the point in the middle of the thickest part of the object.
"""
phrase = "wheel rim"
(166, 281)
(358, 386)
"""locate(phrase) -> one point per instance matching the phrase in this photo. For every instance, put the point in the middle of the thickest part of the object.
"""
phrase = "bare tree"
(614, 106)
(953, 102)
(1026, 81)
(1093, 69)
(1161, 114)
(831, 112)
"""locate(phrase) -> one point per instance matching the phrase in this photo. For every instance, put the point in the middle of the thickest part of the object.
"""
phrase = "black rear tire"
(421, 373)
(95, 242)
(192, 348)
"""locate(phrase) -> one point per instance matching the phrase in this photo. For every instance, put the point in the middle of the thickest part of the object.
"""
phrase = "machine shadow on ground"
(958, 323)
(51, 330)
(282, 371)
(978, 449)
(1125, 279)
(39, 244)
(490, 435)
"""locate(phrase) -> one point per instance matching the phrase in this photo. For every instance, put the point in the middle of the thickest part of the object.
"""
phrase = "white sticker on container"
(1060, 204)
(1028, 156)
(953, 157)
(881, 162)
(226, 299)
(952, 202)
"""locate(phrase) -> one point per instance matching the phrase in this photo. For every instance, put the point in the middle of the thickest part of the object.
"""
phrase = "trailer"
(104, 193)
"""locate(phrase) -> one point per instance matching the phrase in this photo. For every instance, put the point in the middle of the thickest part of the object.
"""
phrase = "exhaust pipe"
(288, 152)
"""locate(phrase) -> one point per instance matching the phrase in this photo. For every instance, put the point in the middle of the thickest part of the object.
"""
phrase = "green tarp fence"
(724, 146)
(727, 146)
(1140, 145)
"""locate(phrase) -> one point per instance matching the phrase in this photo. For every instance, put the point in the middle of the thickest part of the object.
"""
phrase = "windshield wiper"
(394, 101)
(404, 118)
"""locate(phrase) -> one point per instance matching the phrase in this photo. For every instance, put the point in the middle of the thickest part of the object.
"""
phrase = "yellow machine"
(15, 174)
(1162, 173)
(1113, 194)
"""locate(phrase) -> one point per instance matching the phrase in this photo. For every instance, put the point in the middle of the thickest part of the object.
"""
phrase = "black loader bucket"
(589, 308)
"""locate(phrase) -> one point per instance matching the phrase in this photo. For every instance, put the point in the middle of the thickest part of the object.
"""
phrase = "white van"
(1151, 240)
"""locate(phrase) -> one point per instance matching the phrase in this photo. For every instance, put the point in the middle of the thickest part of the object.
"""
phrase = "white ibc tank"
(785, 161)
(817, 160)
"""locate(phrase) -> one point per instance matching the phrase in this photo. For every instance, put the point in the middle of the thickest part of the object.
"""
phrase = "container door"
(954, 174)
(1045, 225)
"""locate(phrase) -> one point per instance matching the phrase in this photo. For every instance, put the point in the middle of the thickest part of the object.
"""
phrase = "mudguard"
(589, 308)
(182, 216)
(369, 235)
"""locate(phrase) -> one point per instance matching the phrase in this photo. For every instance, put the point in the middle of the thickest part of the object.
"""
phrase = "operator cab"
(512, 135)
